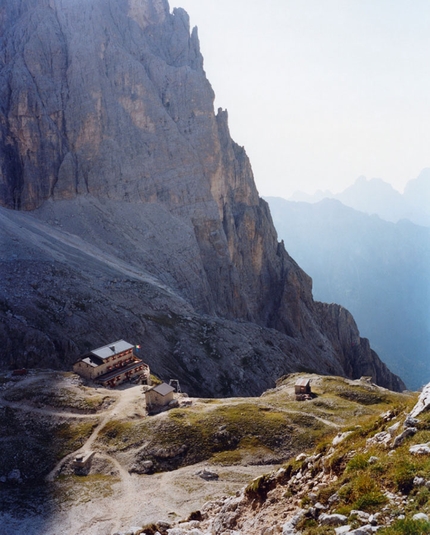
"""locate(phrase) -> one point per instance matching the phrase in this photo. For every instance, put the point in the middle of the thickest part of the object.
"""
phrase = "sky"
(320, 92)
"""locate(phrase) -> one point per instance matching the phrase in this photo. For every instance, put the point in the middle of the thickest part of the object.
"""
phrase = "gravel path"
(136, 500)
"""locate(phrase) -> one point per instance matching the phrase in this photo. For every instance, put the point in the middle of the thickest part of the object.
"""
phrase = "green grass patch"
(358, 462)
(362, 396)
(407, 526)
(69, 437)
(361, 493)
(227, 458)
(118, 435)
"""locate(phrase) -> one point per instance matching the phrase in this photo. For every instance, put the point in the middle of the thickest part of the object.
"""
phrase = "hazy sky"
(321, 91)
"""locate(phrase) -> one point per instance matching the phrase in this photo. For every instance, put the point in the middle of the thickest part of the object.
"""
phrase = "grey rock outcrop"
(145, 221)
(423, 403)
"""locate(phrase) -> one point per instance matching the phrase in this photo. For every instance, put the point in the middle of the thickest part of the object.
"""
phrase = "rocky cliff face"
(108, 133)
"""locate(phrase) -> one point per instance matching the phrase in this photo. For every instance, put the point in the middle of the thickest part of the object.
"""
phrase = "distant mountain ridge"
(375, 196)
(377, 269)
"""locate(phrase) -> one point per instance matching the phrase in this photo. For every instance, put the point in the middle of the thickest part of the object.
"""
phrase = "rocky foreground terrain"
(128, 212)
(354, 458)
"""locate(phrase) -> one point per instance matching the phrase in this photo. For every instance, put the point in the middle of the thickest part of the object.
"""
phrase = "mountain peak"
(108, 134)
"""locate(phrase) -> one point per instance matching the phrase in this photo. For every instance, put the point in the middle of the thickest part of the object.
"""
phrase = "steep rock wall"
(109, 99)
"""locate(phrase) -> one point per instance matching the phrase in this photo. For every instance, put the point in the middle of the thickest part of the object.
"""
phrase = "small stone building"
(112, 364)
(159, 396)
(302, 389)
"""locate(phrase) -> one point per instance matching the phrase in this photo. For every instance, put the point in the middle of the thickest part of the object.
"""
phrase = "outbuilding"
(159, 396)
(302, 389)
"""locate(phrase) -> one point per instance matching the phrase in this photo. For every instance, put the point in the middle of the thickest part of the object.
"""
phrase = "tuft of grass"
(311, 527)
(358, 462)
(361, 493)
(370, 501)
(422, 497)
(404, 474)
(260, 487)
(227, 458)
(155, 380)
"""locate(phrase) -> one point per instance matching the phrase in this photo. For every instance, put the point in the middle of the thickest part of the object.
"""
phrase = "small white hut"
(159, 396)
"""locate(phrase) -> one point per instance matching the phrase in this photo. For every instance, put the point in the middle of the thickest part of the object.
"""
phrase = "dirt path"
(129, 403)
(142, 499)
(132, 500)
(19, 405)
(319, 418)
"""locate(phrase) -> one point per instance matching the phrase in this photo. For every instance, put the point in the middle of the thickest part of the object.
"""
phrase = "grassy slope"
(268, 429)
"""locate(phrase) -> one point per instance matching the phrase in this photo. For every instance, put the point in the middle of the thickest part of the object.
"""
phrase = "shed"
(302, 389)
(159, 396)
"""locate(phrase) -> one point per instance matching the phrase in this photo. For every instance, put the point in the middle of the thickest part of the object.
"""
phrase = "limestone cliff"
(107, 129)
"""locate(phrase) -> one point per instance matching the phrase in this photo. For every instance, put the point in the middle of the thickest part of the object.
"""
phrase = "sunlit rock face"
(108, 100)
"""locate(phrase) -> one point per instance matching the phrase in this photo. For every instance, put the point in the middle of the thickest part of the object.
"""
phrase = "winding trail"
(140, 499)
(119, 408)
(51, 412)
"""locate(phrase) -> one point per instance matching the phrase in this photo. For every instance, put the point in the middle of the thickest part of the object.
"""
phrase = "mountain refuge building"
(112, 364)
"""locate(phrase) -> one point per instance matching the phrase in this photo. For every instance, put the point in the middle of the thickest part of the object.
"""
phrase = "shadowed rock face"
(107, 122)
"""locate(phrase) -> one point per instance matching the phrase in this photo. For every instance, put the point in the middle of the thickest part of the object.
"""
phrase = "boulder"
(421, 516)
(332, 520)
(423, 402)
(206, 474)
(289, 528)
(362, 516)
(420, 449)
(408, 432)
(340, 437)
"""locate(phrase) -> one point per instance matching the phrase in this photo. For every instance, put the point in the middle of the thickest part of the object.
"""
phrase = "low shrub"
(358, 462)
(260, 487)
(404, 474)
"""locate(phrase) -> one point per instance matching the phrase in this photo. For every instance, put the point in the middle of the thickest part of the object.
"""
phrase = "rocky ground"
(333, 490)
(201, 461)
(108, 497)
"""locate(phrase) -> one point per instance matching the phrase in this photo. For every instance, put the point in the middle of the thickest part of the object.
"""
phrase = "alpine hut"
(302, 389)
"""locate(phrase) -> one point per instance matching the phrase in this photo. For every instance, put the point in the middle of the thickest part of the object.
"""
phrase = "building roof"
(163, 389)
(92, 360)
(110, 350)
(303, 382)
